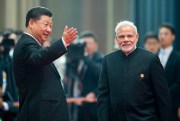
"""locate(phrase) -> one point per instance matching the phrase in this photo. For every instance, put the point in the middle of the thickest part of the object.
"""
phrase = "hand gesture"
(69, 34)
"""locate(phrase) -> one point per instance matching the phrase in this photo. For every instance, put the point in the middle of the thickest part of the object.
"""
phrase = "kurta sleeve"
(161, 91)
(103, 95)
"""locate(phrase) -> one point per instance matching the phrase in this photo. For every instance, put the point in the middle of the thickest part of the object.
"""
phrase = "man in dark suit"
(89, 77)
(132, 85)
(41, 95)
(170, 59)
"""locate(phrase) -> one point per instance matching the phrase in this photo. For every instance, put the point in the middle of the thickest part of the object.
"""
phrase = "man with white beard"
(132, 84)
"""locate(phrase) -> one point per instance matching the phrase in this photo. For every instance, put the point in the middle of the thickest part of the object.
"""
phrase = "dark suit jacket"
(41, 94)
(133, 88)
(91, 73)
(90, 81)
(172, 71)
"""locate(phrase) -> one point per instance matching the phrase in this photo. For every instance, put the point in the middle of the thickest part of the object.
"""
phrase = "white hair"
(125, 23)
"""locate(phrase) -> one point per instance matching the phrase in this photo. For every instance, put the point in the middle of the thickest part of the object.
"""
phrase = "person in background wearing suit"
(170, 59)
(41, 95)
(89, 77)
(151, 42)
(9, 89)
(132, 84)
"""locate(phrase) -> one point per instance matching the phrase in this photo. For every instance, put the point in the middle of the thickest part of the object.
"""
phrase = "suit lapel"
(170, 60)
(53, 68)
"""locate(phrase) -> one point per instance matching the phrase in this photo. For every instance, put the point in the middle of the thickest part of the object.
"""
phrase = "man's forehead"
(46, 20)
(126, 33)
(128, 29)
(44, 17)
(164, 29)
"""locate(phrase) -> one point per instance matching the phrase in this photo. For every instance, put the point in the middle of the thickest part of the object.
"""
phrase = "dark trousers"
(87, 112)
(175, 117)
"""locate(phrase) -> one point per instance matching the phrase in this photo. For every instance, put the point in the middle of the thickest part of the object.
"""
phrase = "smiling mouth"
(46, 35)
(126, 45)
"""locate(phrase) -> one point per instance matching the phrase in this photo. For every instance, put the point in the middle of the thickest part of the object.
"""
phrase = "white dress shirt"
(164, 55)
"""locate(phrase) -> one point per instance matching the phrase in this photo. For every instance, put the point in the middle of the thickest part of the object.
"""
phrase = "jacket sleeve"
(34, 55)
(94, 65)
(174, 88)
(103, 97)
(161, 91)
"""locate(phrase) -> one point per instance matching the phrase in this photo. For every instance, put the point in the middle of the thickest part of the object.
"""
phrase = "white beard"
(127, 49)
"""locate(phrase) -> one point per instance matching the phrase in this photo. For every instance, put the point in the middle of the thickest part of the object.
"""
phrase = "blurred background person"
(60, 65)
(90, 76)
(9, 89)
(1, 82)
(71, 82)
(170, 59)
(83, 63)
(151, 42)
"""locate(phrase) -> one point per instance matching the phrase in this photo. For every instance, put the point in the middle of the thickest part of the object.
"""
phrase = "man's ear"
(137, 37)
(174, 37)
(31, 22)
(115, 38)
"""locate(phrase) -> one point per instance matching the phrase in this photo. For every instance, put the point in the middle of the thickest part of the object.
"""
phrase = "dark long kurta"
(133, 88)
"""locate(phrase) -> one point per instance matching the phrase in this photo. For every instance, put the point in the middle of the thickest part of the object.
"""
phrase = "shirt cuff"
(6, 107)
(65, 44)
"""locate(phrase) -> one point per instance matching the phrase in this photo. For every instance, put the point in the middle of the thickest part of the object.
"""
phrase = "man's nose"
(126, 39)
(49, 29)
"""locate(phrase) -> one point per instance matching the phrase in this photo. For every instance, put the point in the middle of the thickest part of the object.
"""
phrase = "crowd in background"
(80, 69)
(8, 89)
